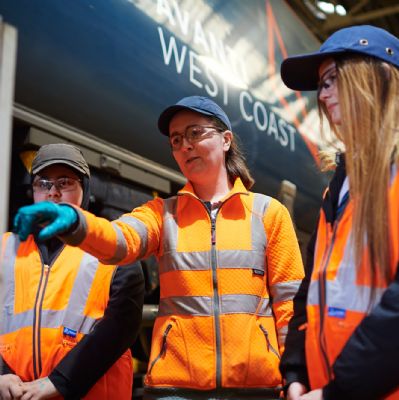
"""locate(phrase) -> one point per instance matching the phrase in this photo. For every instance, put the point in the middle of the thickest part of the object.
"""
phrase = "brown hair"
(368, 91)
(235, 161)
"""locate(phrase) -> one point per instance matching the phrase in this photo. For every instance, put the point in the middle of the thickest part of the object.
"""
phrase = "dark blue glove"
(58, 218)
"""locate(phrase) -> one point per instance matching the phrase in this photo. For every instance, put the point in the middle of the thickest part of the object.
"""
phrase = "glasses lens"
(61, 184)
(66, 184)
(195, 133)
(42, 185)
(176, 141)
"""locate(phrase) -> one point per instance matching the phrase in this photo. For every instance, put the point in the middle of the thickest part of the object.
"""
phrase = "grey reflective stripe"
(121, 247)
(252, 259)
(169, 229)
(282, 334)
(7, 266)
(74, 315)
(202, 305)
(260, 205)
(140, 229)
(313, 293)
(264, 309)
(48, 319)
(244, 303)
(187, 305)
(284, 291)
(201, 261)
(343, 292)
(171, 260)
(13, 322)
(185, 261)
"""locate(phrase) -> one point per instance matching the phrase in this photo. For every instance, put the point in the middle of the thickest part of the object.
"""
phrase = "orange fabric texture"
(188, 346)
(18, 348)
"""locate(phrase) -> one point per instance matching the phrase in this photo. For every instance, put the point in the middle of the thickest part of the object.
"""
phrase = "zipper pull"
(213, 231)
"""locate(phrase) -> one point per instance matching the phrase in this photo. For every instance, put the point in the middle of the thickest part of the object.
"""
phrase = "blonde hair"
(368, 91)
(235, 161)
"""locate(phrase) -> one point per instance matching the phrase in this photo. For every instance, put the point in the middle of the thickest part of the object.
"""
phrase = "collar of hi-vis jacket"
(330, 201)
(238, 188)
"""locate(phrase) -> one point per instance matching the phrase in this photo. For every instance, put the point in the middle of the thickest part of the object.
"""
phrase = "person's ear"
(227, 139)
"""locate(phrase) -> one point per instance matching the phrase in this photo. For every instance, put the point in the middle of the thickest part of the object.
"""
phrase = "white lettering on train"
(203, 76)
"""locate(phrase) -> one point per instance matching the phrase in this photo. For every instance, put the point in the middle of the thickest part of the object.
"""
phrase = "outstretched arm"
(133, 236)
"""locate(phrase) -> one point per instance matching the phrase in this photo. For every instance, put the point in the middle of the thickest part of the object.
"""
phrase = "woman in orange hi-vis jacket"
(351, 336)
(229, 264)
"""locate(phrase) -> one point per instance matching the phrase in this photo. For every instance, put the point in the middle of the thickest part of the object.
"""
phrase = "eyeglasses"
(327, 82)
(193, 134)
(61, 184)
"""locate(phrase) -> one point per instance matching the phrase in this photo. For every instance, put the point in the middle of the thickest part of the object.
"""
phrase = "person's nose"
(54, 191)
(186, 144)
(324, 93)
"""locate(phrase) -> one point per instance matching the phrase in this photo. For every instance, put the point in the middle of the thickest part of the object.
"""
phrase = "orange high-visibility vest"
(227, 286)
(48, 309)
(339, 292)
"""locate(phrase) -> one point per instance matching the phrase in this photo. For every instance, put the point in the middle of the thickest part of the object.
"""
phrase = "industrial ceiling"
(342, 13)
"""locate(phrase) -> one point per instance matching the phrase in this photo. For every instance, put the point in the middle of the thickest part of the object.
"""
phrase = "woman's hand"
(10, 387)
(39, 389)
(58, 218)
(295, 390)
(313, 395)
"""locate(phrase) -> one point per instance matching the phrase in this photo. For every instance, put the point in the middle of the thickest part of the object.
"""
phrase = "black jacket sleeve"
(81, 368)
(4, 368)
(293, 360)
(368, 366)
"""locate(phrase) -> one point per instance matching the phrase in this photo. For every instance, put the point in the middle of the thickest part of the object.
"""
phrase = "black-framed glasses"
(193, 134)
(65, 184)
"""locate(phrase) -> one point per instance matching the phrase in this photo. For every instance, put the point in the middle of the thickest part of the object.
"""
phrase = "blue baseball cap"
(302, 72)
(199, 104)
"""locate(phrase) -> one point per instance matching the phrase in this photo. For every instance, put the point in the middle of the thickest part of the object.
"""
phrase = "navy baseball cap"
(199, 104)
(302, 72)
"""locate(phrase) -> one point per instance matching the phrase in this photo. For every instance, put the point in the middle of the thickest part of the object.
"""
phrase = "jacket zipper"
(37, 362)
(216, 301)
(163, 347)
(37, 357)
(323, 294)
(216, 309)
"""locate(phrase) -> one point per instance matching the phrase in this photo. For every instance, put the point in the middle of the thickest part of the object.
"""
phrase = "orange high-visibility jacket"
(339, 292)
(48, 309)
(227, 285)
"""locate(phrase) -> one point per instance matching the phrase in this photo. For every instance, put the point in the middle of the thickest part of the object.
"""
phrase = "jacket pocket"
(262, 368)
(163, 348)
(270, 347)
(174, 360)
